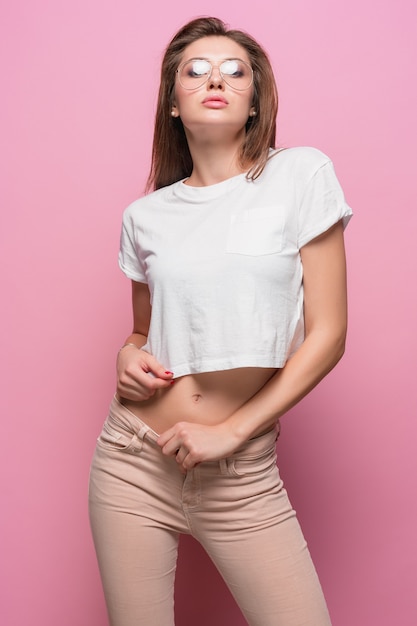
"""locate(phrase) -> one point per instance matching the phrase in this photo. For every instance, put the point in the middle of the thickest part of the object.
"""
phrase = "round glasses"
(236, 73)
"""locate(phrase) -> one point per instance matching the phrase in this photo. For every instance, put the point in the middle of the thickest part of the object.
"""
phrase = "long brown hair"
(171, 158)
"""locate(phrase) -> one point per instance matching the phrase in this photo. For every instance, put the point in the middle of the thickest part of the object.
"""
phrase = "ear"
(252, 112)
(174, 111)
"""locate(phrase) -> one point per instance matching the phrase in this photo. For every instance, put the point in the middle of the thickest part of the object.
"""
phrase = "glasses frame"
(212, 66)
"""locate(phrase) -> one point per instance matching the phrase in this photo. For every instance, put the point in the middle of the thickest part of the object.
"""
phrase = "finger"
(171, 448)
(157, 369)
(129, 385)
(184, 460)
(189, 462)
(139, 363)
(182, 469)
(159, 383)
(180, 455)
(135, 379)
(142, 383)
(166, 437)
(162, 373)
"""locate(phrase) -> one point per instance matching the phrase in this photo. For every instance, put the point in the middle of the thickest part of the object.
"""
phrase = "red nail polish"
(172, 382)
(169, 372)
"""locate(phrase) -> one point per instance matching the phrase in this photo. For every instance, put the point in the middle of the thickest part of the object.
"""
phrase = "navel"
(197, 397)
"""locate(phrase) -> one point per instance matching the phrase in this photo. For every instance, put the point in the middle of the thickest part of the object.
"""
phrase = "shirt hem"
(326, 225)
(203, 367)
(131, 274)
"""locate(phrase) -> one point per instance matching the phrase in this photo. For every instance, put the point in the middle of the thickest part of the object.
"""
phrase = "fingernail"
(169, 373)
(172, 382)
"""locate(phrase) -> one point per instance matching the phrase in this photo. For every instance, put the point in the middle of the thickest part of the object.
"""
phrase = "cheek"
(174, 95)
(180, 96)
(249, 102)
(252, 96)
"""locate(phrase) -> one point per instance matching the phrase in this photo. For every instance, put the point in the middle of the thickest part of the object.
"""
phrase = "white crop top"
(222, 262)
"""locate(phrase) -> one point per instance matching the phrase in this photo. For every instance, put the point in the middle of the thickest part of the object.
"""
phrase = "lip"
(216, 102)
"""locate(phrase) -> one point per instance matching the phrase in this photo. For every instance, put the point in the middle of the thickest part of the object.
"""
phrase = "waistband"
(132, 421)
(252, 447)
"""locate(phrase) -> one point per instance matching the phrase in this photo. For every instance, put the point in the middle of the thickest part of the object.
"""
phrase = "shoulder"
(301, 160)
(147, 202)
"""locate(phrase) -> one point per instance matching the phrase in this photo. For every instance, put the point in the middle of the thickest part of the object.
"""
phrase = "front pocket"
(256, 232)
(247, 466)
(111, 438)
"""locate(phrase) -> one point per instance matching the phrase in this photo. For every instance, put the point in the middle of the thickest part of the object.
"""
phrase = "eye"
(233, 68)
(197, 68)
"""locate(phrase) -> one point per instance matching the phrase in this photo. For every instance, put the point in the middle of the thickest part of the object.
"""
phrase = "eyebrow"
(201, 58)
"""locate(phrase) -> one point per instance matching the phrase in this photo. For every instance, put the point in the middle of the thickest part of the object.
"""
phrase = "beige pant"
(236, 508)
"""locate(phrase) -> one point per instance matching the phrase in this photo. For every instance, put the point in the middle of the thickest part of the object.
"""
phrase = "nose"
(215, 81)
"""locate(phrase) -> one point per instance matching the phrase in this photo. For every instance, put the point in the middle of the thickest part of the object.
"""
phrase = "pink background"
(78, 94)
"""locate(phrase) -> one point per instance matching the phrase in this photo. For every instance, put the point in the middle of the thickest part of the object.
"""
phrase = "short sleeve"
(129, 260)
(323, 205)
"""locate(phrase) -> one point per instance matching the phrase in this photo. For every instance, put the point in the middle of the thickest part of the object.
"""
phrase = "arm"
(325, 312)
(325, 315)
(133, 364)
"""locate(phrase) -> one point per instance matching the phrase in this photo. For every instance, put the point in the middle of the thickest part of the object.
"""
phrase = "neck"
(214, 161)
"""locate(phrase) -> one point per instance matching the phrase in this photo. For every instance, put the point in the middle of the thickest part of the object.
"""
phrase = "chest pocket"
(256, 232)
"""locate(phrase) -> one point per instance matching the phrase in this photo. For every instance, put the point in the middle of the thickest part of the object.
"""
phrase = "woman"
(239, 304)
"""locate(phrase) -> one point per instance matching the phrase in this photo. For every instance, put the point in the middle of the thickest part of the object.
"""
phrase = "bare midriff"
(208, 398)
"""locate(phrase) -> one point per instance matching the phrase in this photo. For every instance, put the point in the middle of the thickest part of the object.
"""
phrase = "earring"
(173, 114)
(252, 113)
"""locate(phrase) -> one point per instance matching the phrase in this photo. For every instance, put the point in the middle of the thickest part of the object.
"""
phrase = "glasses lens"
(236, 73)
(194, 73)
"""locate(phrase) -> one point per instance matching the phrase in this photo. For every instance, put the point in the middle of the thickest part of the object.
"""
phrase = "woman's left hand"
(193, 443)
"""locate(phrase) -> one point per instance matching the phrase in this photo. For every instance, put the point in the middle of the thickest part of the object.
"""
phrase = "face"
(215, 102)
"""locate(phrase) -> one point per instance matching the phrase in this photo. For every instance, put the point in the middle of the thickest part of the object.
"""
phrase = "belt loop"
(142, 432)
(223, 464)
(277, 429)
(147, 433)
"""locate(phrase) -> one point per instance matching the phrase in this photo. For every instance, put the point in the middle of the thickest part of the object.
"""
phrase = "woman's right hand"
(139, 374)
